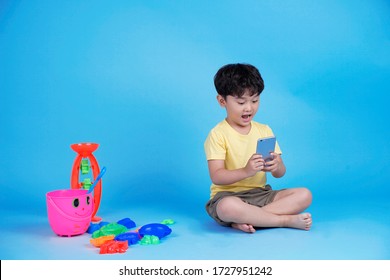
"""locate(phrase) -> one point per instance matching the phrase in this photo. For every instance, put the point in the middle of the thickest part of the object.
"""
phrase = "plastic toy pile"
(70, 212)
(116, 237)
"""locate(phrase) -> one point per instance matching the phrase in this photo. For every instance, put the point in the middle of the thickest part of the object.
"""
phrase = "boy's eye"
(255, 101)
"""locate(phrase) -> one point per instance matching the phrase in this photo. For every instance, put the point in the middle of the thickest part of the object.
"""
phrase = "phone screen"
(265, 146)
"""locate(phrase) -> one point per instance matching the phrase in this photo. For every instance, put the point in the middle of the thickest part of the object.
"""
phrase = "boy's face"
(240, 110)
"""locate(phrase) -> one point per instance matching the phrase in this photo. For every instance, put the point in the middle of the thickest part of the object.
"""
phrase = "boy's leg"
(290, 202)
(234, 210)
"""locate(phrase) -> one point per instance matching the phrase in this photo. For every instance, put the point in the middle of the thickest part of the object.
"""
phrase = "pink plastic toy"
(69, 211)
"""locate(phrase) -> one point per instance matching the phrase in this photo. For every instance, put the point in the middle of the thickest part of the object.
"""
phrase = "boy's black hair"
(235, 79)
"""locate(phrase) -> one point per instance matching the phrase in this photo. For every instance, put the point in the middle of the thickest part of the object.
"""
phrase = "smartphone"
(265, 146)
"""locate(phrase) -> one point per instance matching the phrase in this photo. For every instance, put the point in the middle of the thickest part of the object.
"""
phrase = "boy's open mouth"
(245, 117)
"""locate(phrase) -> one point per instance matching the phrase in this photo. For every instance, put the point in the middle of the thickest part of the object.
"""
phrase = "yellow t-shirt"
(225, 143)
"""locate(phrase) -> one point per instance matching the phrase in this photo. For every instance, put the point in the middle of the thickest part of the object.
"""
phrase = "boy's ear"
(221, 100)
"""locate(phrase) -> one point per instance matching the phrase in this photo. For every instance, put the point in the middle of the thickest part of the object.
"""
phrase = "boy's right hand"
(255, 164)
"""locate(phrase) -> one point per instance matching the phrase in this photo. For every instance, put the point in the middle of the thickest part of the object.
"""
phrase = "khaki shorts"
(258, 197)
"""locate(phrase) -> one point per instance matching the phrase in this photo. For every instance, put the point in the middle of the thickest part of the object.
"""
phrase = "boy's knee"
(306, 196)
(226, 208)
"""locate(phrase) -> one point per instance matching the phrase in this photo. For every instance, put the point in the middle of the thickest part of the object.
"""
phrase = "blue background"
(137, 78)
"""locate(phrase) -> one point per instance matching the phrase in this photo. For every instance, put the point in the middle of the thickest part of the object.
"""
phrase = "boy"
(240, 197)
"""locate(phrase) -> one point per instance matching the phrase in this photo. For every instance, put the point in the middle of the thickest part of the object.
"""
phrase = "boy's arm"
(221, 176)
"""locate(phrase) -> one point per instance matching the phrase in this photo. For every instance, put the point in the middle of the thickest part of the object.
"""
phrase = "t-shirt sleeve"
(277, 148)
(215, 147)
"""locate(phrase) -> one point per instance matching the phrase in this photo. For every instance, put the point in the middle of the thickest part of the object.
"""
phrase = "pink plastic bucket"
(69, 211)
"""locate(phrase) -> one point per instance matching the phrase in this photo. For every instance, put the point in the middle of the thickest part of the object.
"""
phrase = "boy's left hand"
(274, 164)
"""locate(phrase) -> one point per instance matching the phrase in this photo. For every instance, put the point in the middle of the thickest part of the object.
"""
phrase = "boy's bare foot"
(300, 221)
(244, 227)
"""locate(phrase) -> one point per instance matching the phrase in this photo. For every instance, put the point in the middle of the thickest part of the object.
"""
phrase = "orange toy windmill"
(84, 153)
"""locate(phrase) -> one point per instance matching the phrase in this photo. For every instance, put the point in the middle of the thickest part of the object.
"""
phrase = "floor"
(343, 231)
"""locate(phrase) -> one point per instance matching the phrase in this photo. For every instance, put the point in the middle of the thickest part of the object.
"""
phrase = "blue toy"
(159, 230)
(103, 223)
(127, 223)
(93, 227)
(130, 237)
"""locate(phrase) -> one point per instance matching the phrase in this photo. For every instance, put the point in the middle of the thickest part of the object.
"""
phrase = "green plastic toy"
(109, 229)
(149, 240)
(84, 166)
(87, 183)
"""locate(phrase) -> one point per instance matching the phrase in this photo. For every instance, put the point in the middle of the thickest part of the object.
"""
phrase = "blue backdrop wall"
(137, 78)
